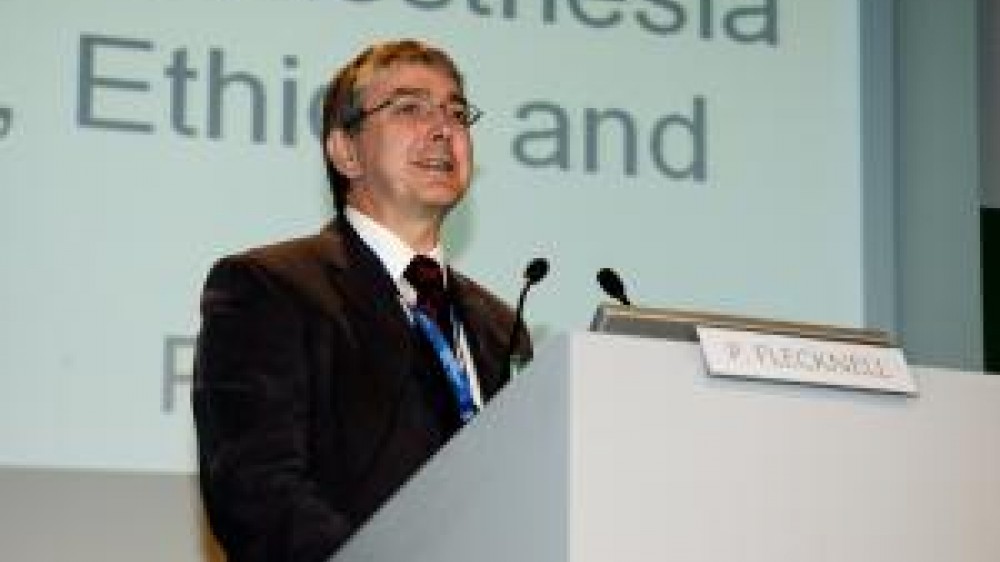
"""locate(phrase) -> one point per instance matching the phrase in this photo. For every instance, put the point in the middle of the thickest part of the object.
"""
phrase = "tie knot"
(427, 278)
(425, 275)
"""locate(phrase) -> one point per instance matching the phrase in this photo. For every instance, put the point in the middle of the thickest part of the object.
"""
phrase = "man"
(326, 372)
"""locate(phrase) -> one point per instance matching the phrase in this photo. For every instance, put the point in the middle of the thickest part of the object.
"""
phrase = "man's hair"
(342, 104)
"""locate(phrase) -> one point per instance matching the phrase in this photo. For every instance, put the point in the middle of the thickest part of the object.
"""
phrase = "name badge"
(755, 355)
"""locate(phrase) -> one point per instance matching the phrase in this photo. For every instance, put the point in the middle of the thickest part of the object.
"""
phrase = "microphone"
(612, 285)
(537, 269)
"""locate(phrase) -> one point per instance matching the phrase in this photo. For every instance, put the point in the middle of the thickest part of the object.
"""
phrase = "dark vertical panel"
(991, 288)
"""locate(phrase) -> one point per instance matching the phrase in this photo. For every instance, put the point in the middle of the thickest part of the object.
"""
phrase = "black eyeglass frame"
(359, 115)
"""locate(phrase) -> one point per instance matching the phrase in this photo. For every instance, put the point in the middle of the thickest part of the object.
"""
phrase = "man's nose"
(441, 126)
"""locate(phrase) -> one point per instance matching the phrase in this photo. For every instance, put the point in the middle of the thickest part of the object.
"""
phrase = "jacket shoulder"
(300, 267)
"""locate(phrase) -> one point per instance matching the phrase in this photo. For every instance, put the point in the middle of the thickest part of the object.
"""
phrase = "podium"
(616, 448)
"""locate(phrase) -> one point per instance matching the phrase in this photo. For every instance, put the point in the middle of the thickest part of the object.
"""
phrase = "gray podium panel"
(613, 448)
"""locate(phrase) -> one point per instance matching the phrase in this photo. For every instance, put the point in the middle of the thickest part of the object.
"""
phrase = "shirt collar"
(391, 250)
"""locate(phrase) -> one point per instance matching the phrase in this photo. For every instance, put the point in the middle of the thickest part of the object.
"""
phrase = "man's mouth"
(441, 164)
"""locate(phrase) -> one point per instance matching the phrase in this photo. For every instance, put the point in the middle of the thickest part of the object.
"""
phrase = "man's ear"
(341, 150)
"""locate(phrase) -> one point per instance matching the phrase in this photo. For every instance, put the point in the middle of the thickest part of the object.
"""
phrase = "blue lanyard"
(456, 374)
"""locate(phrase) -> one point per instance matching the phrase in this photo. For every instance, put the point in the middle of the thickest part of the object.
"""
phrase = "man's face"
(409, 163)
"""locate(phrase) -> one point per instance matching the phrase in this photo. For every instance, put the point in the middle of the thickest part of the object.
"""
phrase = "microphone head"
(612, 284)
(537, 269)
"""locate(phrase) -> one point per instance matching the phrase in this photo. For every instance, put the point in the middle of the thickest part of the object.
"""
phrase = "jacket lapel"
(481, 330)
(355, 277)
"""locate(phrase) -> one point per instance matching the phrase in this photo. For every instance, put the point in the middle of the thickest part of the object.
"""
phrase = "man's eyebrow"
(409, 91)
(424, 92)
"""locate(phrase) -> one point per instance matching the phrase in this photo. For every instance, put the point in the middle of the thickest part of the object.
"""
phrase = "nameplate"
(755, 355)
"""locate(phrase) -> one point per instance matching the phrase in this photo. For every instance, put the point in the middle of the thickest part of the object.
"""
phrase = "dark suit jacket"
(314, 397)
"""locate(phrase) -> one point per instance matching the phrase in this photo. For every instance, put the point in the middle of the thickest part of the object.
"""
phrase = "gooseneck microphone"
(612, 285)
(537, 269)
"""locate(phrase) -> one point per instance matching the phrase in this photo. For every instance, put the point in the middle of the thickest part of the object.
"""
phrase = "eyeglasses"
(421, 109)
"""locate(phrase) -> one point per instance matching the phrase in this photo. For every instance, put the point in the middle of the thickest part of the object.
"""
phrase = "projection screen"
(707, 150)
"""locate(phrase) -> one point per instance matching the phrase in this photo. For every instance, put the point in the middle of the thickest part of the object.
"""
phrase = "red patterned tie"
(432, 299)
